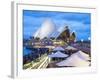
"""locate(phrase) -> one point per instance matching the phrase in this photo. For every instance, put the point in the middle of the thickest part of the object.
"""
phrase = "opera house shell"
(49, 30)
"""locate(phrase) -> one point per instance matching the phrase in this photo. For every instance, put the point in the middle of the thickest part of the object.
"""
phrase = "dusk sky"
(78, 22)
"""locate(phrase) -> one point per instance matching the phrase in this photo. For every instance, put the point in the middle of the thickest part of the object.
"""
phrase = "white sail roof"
(57, 32)
(58, 54)
(37, 33)
(46, 29)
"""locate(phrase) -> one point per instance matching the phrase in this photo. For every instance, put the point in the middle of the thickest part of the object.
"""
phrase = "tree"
(52, 38)
(37, 38)
(45, 38)
(32, 37)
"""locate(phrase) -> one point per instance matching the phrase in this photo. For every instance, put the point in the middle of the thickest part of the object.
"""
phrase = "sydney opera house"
(52, 47)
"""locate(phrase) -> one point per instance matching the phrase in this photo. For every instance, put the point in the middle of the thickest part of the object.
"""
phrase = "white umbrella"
(70, 48)
(58, 54)
(83, 55)
(58, 49)
(74, 60)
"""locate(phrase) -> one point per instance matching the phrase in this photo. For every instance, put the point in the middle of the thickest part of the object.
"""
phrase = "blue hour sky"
(80, 23)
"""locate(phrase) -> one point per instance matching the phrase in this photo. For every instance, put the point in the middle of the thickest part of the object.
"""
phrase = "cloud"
(78, 22)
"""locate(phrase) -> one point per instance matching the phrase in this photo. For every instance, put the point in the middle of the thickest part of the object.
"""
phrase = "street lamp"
(89, 38)
(82, 42)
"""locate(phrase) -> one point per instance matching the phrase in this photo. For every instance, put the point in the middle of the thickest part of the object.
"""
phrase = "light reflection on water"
(26, 51)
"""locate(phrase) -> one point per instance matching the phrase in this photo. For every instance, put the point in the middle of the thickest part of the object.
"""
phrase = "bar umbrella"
(59, 48)
(74, 61)
(58, 54)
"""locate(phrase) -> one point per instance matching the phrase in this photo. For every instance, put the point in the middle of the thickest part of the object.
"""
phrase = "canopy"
(58, 54)
(58, 49)
(82, 55)
(74, 60)
(70, 48)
